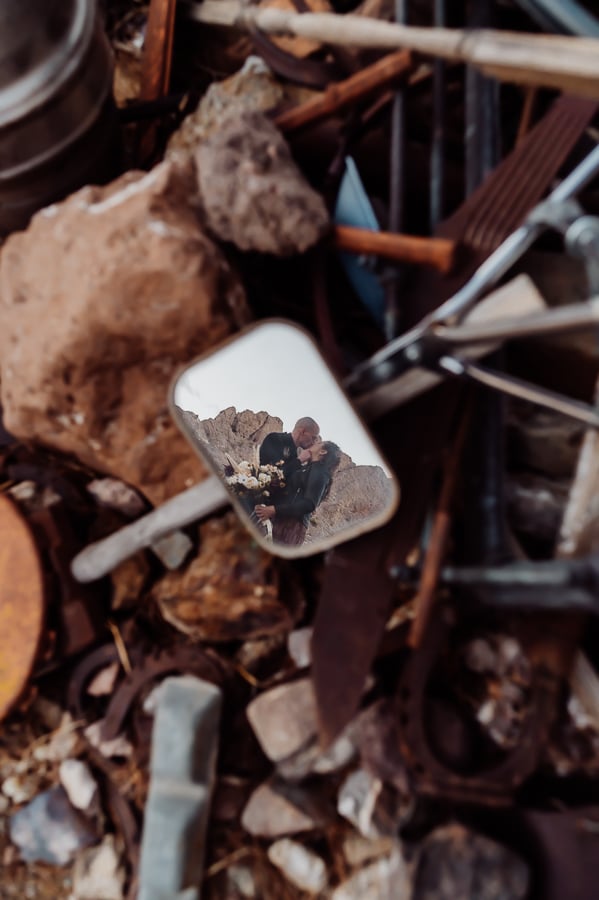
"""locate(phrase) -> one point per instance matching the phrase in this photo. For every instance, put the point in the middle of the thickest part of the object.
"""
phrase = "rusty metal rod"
(435, 551)
(436, 252)
(344, 94)
(158, 50)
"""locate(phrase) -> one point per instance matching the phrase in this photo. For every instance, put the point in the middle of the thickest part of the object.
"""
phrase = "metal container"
(58, 125)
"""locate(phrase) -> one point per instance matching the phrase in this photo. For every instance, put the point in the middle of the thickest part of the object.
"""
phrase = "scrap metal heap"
(414, 714)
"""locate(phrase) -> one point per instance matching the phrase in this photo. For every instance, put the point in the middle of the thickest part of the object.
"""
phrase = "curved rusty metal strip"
(187, 659)
(306, 72)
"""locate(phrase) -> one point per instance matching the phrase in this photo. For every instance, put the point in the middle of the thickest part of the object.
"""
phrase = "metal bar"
(574, 317)
(437, 543)
(396, 189)
(487, 274)
(523, 390)
(437, 167)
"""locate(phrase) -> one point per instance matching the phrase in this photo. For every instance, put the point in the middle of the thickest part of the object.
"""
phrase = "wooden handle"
(436, 252)
(338, 96)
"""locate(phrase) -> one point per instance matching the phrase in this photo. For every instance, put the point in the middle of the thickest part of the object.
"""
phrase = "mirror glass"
(269, 418)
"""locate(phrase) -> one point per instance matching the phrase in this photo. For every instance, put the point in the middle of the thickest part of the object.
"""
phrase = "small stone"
(242, 880)
(284, 718)
(49, 830)
(358, 850)
(311, 759)
(300, 866)
(97, 874)
(78, 782)
(24, 491)
(115, 494)
(172, 549)
(252, 192)
(299, 647)
(357, 801)
(61, 744)
(272, 813)
(386, 879)
(20, 788)
(4, 804)
(103, 683)
(115, 747)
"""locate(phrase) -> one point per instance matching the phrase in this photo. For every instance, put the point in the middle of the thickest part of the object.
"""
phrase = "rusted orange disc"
(21, 603)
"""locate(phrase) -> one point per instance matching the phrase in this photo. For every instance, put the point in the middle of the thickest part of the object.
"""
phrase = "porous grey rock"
(252, 89)
(128, 287)
(252, 192)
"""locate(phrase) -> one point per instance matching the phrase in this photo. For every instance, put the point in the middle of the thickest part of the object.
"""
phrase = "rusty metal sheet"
(22, 603)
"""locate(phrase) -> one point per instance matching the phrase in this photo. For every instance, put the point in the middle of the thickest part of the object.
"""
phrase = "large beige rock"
(102, 299)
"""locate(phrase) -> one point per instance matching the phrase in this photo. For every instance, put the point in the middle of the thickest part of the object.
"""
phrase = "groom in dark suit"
(281, 448)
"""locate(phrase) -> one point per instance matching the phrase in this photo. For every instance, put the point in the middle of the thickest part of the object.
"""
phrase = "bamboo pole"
(564, 63)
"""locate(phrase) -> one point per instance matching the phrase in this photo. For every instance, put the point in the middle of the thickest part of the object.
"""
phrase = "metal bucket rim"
(36, 87)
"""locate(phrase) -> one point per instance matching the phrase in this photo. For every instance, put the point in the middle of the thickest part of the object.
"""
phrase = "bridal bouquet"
(253, 481)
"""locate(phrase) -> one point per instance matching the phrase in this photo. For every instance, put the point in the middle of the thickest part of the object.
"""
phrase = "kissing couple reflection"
(308, 464)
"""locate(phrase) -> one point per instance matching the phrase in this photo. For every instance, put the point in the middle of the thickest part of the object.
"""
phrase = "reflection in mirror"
(269, 418)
